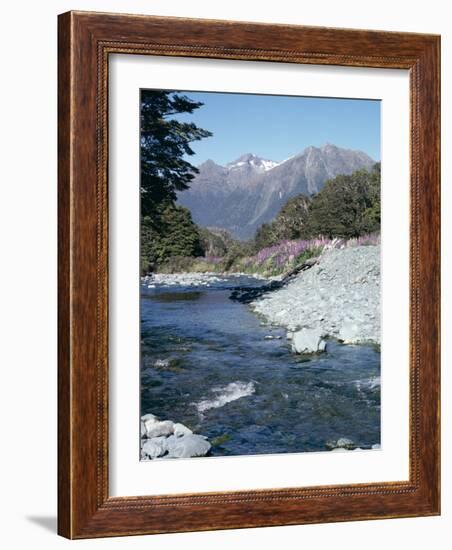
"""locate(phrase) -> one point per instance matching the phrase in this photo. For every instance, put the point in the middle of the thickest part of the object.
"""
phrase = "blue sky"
(277, 127)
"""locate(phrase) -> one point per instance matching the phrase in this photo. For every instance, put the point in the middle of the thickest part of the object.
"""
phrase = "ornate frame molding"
(85, 42)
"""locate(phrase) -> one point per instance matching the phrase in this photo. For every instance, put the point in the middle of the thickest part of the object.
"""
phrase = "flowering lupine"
(282, 255)
(278, 258)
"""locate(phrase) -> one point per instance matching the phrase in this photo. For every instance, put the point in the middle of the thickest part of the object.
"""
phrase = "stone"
(162, 364)
(187, 446)
(308, 341)
(147, 421)
(155, 447)
(149, 417)
(156, 429)
(345, 443)
(349, 333)
(341, 444)
(181, 430)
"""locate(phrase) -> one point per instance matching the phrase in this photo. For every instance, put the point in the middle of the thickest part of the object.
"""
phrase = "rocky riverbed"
(228, 375)
(208, 279)
(338, 297)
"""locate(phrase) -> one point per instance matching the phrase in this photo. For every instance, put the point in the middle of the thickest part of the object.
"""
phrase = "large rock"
(156, 429)
(187, 446)
(155, 447)
(149, 417)
(147, 422)
(343, 443)
(308, 341)
(181, 430)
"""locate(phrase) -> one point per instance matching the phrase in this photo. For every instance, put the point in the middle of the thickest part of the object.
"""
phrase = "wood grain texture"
(64, 295)
(85, 42)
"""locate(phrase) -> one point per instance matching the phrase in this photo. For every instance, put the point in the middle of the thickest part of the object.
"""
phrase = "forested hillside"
(348, 207)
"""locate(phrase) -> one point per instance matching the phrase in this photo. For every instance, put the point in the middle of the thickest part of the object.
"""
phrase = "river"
(212, 364)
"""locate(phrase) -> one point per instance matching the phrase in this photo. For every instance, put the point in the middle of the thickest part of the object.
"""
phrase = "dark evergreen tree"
(164, 143)
(175, 234)
(166, 229)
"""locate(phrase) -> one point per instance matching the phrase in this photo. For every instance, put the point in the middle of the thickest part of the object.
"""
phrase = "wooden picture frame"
(86, 40)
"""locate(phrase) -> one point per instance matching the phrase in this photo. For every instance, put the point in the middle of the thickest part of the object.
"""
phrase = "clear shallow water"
(206, 363)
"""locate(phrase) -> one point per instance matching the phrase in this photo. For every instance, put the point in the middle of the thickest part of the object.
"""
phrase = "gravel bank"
(191, 279)
(339, 296)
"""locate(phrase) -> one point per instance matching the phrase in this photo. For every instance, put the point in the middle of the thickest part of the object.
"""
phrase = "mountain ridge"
(249, 191)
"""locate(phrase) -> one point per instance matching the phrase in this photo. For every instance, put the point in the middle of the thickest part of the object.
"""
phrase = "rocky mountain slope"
(248, 192)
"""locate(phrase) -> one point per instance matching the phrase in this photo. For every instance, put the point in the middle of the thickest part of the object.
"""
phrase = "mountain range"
(250, 191)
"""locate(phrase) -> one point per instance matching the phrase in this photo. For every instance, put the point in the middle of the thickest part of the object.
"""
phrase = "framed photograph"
(248, 275)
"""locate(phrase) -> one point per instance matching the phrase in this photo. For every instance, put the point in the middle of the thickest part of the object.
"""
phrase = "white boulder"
(155, 447)
(180, 430)
(150, 417)
(308, 341)
(147, 421)
(158, 428)
(187, 446)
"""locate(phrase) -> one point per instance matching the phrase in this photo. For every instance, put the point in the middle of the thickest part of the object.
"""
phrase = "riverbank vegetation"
(269, 261)
(346, 212)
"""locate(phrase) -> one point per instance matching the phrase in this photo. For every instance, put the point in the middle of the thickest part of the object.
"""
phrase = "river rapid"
(218, 368)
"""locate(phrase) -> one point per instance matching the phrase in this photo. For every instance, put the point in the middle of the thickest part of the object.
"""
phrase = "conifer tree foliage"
(174, 235)
(166, 229)
(164, 143)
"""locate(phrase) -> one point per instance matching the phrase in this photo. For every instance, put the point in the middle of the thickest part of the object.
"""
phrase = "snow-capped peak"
(269, 164)
(252, 161)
